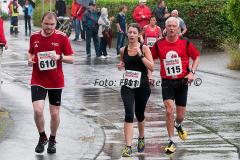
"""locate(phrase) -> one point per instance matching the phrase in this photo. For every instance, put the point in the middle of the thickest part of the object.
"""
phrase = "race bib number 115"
(45, 62)
(172, 64)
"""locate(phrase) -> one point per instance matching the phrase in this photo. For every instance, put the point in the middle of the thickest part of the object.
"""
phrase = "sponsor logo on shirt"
(36, 44)
(55, 44)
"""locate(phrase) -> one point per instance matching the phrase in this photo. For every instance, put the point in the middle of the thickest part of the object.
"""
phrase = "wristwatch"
(192, 71)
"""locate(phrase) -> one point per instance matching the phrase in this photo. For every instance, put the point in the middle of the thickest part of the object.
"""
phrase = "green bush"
(38, 11)
(233, 10)
(232, 43)
(205, 19)
(4, 16)
(232, 47)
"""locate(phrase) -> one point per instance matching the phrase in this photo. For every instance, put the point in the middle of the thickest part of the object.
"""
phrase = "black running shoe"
(41, 143)
(51, 147)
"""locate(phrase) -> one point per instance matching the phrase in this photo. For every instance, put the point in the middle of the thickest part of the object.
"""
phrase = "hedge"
(233, 10)
(205, 19)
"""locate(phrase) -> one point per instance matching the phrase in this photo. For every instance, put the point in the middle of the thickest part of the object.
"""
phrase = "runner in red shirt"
(174, 54)
(151, 33)
(48, 49)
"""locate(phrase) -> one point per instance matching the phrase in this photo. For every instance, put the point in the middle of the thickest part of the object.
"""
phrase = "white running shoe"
(80, 40)
(103, 57)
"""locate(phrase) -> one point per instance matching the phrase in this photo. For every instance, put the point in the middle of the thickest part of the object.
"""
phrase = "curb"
(219, 74)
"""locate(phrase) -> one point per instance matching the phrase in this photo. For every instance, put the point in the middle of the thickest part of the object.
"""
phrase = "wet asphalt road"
(213, 108)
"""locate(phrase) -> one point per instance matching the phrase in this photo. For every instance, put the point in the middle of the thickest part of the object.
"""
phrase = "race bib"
(132, 79)
(45, 62)
(172, 64)
(151, 41)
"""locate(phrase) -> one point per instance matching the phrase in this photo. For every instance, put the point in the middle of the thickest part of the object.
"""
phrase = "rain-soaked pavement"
(212, 119)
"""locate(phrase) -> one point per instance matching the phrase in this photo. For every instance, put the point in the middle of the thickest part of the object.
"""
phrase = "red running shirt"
(151, 36)
(174, 57)
(58, 42)
(2, 36)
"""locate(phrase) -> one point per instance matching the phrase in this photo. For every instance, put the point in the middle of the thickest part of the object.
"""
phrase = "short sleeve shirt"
(174, 57)
(59, 43)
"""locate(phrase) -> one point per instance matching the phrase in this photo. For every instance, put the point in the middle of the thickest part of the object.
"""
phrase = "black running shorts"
(175, 90)
(40, 93)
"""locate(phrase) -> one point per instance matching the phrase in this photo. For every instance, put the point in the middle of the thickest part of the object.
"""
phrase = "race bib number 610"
(45, 62)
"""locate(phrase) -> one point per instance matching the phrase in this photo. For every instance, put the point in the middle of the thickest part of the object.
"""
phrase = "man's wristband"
(61, 57)
(192, 71)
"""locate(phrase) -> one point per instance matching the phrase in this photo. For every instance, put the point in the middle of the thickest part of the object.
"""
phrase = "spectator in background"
(60, 8)
(13, 11)
(77, 13)
(28, 12)
(104, 24)
(182, 25)
(142, 13)
(90, 25)
(161, 14)
(80, 14)
(121, 27)
(74, 18)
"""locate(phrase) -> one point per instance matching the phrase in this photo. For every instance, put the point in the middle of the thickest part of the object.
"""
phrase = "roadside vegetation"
(232, 42)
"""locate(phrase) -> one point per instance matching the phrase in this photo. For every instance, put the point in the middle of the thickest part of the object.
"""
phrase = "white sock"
(176, 124)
